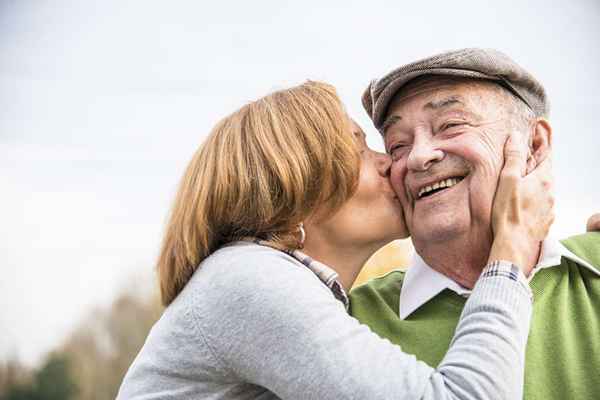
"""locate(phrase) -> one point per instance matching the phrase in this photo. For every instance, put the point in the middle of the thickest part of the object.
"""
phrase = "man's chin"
(432, 230)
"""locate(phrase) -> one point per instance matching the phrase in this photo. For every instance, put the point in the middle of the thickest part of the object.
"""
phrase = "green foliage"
(20, 392)
(52, 381)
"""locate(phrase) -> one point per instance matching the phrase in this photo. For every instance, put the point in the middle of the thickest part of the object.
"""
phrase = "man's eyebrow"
(447, 102)
(389, 121)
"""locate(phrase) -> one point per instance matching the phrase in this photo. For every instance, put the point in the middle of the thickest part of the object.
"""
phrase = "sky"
(102, 104)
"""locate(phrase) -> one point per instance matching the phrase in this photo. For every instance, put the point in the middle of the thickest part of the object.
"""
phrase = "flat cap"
(469, 63)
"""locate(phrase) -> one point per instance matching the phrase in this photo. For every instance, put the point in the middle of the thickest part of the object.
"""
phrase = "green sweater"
(563, 350)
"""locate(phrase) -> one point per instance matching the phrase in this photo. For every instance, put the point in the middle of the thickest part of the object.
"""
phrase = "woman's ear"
(540, 143)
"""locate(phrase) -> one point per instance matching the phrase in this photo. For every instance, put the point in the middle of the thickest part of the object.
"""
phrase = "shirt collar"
(422, 283)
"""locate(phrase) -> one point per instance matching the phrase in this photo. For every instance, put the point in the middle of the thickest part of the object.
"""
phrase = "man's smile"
(421, 189)
(428, 190)
(434, 197)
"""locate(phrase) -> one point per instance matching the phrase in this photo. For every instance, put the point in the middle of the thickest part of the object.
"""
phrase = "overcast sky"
(103, 103)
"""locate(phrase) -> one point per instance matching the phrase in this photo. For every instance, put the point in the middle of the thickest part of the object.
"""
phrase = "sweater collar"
(422, 283)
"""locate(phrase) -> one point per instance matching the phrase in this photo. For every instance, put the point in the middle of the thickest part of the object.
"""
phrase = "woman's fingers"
(543, 173)
(538, 186)
(593, 223)
(515, 155)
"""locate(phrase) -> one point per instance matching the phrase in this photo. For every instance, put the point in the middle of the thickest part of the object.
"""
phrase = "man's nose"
(423, 154)
(383, 162)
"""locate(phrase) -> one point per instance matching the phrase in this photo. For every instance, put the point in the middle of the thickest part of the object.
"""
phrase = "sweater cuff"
(502, 280)
(508, 270)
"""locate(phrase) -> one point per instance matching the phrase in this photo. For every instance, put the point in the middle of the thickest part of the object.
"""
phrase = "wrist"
(514, 248)
(506, 269)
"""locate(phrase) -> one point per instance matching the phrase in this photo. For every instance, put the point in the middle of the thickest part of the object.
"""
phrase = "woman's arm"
(271, 322)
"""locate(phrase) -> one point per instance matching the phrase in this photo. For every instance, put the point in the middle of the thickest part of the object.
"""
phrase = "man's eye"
(452, 124)
(396, 147)
(397, 150)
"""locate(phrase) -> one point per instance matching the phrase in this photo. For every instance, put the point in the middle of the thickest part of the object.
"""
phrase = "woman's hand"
(523, 208)
(593, 224)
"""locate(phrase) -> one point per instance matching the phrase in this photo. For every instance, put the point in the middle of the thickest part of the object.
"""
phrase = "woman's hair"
(262, 171)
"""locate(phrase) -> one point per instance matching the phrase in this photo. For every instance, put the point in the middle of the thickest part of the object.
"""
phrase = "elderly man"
(444, 121)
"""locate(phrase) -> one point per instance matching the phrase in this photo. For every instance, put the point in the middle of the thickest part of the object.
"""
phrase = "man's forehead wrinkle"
(472, 96)
(456, 88)
(442, 93)
(443, 103)
(488, 102)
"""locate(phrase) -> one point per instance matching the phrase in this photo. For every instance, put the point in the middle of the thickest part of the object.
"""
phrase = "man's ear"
(540, 143)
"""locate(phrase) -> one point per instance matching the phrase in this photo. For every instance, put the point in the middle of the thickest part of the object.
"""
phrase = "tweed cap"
(469, 63)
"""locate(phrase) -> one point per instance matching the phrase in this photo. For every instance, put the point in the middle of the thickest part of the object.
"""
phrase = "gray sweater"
(254, 323)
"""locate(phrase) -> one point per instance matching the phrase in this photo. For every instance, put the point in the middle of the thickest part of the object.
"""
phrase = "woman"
(251, 316)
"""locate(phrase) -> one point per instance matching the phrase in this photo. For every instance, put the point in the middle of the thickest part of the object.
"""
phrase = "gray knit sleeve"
(486, 357)
(269, 321)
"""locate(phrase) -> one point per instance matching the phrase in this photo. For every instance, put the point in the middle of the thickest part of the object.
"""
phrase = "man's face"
(446, 139)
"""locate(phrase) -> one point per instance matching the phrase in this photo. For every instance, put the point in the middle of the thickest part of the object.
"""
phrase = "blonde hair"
(261, 171)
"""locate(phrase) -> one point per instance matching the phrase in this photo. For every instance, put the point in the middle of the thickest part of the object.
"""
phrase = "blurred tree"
(20, 392)
(127, 326)
(15, 378)
(104, 345)
(52, 381)
(87, 359)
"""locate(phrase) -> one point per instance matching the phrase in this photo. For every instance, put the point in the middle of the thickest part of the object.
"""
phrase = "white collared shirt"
(422, 283)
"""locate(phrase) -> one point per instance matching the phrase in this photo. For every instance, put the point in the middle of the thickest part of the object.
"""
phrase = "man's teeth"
(446, 183)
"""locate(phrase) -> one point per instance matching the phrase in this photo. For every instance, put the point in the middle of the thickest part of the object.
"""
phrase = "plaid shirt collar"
(325, 273)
